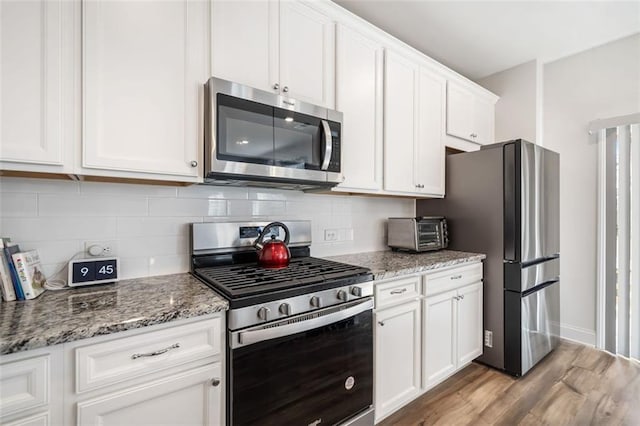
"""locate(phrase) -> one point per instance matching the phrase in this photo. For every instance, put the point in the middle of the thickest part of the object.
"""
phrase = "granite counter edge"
(388, 274)
(18, 344)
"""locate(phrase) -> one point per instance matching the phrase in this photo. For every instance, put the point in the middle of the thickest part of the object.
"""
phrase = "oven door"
(315, 368)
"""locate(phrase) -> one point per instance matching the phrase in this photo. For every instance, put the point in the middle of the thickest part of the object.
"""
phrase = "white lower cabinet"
(397, 357)
(186, 399)
(424, 333)
(452, 332)
(92, 382)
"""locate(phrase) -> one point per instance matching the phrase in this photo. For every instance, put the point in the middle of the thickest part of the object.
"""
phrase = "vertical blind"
(619, 239)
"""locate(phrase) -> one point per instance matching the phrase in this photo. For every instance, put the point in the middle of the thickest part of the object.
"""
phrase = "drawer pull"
(398, 291)
(155, 353)
(456, 277)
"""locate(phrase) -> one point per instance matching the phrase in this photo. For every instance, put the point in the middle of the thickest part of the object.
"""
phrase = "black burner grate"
(242, 280)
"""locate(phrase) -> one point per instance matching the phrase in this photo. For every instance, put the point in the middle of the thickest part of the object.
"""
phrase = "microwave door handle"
(328, 145)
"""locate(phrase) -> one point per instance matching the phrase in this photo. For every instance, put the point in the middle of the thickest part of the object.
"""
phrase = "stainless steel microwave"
(257, 138)
(418, 234)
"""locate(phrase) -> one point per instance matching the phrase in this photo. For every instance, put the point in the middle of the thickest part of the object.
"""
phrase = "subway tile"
(274, 194)
(154, 226)
(245, 208)
(58, 228)
(134, 267)
(163, 265)
(187, 207)
(127, 189)
(154, 246)
(57, 186)
(18, 205)
(91, 205)
(213, 192)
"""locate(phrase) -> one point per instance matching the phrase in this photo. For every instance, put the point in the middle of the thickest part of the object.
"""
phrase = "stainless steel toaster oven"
(418, 234)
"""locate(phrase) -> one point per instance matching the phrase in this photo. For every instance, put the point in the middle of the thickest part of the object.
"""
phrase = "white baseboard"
(578, 334)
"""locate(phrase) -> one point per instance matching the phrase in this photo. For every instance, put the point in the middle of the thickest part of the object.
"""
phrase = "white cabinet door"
(460, 111)
(359, 97)
(484, 121)
(307, 54)
(244, 42)
(397, 357)
(185, 399)
(144, 66)
(36, 85)
(400, 103)
(429, 159)
(469, 326)
(439, 343)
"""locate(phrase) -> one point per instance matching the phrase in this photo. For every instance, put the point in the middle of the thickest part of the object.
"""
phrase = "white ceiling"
(479, 38)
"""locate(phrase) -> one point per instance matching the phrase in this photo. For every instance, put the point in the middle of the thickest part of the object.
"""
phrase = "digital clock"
(99, 270)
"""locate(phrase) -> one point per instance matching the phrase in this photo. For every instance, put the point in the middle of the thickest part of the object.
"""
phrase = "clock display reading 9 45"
(93, 271)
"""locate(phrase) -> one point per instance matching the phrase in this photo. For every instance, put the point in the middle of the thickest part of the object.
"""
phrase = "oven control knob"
(342, 295)
(356, 291)
(263, 313)
(285, 309)
(315, 302)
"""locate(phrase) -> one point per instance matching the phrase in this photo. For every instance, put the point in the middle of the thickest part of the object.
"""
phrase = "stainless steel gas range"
(300, 338)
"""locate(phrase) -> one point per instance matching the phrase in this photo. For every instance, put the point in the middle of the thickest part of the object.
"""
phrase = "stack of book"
(21, 273)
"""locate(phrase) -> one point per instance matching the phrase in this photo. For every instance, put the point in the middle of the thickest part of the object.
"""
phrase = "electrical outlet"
(100, 248)
(331, 234)
(488, 338)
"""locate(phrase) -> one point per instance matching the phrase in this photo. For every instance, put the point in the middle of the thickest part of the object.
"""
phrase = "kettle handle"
(258, 243)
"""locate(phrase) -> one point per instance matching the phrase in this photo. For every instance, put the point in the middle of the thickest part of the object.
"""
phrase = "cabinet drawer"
(118, 360)
(397, 291)
(439, 282)
(24, 385)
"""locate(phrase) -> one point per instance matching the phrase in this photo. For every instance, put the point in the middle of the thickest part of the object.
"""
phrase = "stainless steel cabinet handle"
(285, 89)
(215, 382)
(276, 86)
(398, 291)
(381, 323)
(194, 163)
(156, 353)
(456, 277)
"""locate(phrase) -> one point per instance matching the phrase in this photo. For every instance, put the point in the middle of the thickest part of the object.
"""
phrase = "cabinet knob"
(381, 323)
(276, 86)
(215, 382)
(194, 163)
(462, 296)
(285, 89)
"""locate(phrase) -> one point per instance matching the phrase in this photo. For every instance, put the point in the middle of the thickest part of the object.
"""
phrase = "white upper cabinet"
(359, 69)
(307, 54)
(400, 104)
(36, 85)
(414, 128)
(244, 42)
(430, 151)
(470, 115)
(144, 66)
(284, 47)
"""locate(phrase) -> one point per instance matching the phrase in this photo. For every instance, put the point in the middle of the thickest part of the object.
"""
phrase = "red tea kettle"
(273, 254)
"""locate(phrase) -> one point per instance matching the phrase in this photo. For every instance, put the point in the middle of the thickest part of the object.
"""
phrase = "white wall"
(599, 83)
(147, 224)
(518, 109)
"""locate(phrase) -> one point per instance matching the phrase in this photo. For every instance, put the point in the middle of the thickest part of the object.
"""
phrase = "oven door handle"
(274, 331)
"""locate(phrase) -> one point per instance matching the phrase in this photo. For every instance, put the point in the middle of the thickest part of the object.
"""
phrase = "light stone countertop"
(64, 316)
(390, 264)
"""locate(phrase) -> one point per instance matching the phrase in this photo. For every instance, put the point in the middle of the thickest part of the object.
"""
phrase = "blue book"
(8, 253)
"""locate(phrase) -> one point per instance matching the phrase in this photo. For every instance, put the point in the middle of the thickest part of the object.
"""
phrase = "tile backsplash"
(147, 225)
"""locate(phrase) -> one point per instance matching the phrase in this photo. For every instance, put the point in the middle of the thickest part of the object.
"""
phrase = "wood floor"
(574, 385)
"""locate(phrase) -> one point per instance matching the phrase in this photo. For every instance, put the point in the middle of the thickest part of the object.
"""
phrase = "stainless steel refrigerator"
(504, 201)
